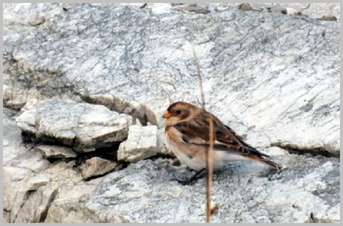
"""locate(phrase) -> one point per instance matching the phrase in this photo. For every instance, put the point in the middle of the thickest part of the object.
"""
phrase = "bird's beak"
(166, 115)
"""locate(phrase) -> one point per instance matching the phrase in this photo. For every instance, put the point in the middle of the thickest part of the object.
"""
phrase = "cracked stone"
(96, 166)
(56, 152)
(140, 144)
(84, 127)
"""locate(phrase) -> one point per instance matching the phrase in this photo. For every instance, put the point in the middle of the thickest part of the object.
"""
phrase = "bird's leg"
(275, 174)
(193, 178)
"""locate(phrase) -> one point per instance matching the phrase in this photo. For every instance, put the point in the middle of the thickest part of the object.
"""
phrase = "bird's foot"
(192, 179)
(275, 174)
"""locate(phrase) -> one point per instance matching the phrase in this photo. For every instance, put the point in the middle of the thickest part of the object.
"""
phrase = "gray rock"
(235, 74)
(328, 18)
(96, 167)
(144, 192)
(114, 103)
(315, 10)
(56, 152)
(245, 6)
(74, 190)
(29, 198)
(276, 8)
(35, 207)
(194, 8)
(293, 12)
(162, 148)
(23, 160)
(84, 127)
(140, 144)
(271, 77)
(30, 181)
(27, 121)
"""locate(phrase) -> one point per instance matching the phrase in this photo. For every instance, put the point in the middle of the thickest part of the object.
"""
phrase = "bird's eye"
(178, 112)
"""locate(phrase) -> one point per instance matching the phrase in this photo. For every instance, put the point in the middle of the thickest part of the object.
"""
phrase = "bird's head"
(178, 112)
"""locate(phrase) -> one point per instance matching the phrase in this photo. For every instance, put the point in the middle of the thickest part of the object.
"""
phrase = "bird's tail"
(265, 162)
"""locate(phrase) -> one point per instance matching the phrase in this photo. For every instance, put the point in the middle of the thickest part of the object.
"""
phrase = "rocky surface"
(145, 192)
(140, 144)
(83, 71)
(21, 164)
(96, 167)
(56, 151)
(298, 54)
(81, 126)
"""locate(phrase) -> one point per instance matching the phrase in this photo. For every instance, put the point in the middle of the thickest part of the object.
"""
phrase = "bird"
(187, 133)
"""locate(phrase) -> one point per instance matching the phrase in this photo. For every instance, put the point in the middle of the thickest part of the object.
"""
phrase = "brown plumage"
(187, 132)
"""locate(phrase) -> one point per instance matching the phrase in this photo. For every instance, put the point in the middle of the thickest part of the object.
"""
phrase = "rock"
(84, 127)
(276, 8)
(72, 213)
(114, 103)
(162, 148)
(140, 144)
(74, 190)
(5, 142)
(27, 121)
(30, 198)
(291, 11)
(327, 18)
(35, 208)
(72, 187)
(274, 86)
(245, 6)
(314, 10)
(29, 180)
(243, 192)
(22, 160)
(194, 7)
(56, 152)
(37, 181)
(96, 167)
(167, 74)
(159, 8)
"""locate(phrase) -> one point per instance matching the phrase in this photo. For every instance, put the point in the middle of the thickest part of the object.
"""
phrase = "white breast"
(176, 144)
(220, 158)
(185, 159)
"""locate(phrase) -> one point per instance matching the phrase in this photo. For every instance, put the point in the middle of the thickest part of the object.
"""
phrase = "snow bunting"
(187, 133)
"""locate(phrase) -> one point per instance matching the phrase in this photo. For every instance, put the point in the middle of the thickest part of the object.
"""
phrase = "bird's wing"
(196, 132)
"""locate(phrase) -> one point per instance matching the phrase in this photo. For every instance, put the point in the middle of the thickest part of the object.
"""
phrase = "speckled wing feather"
(225, 138)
